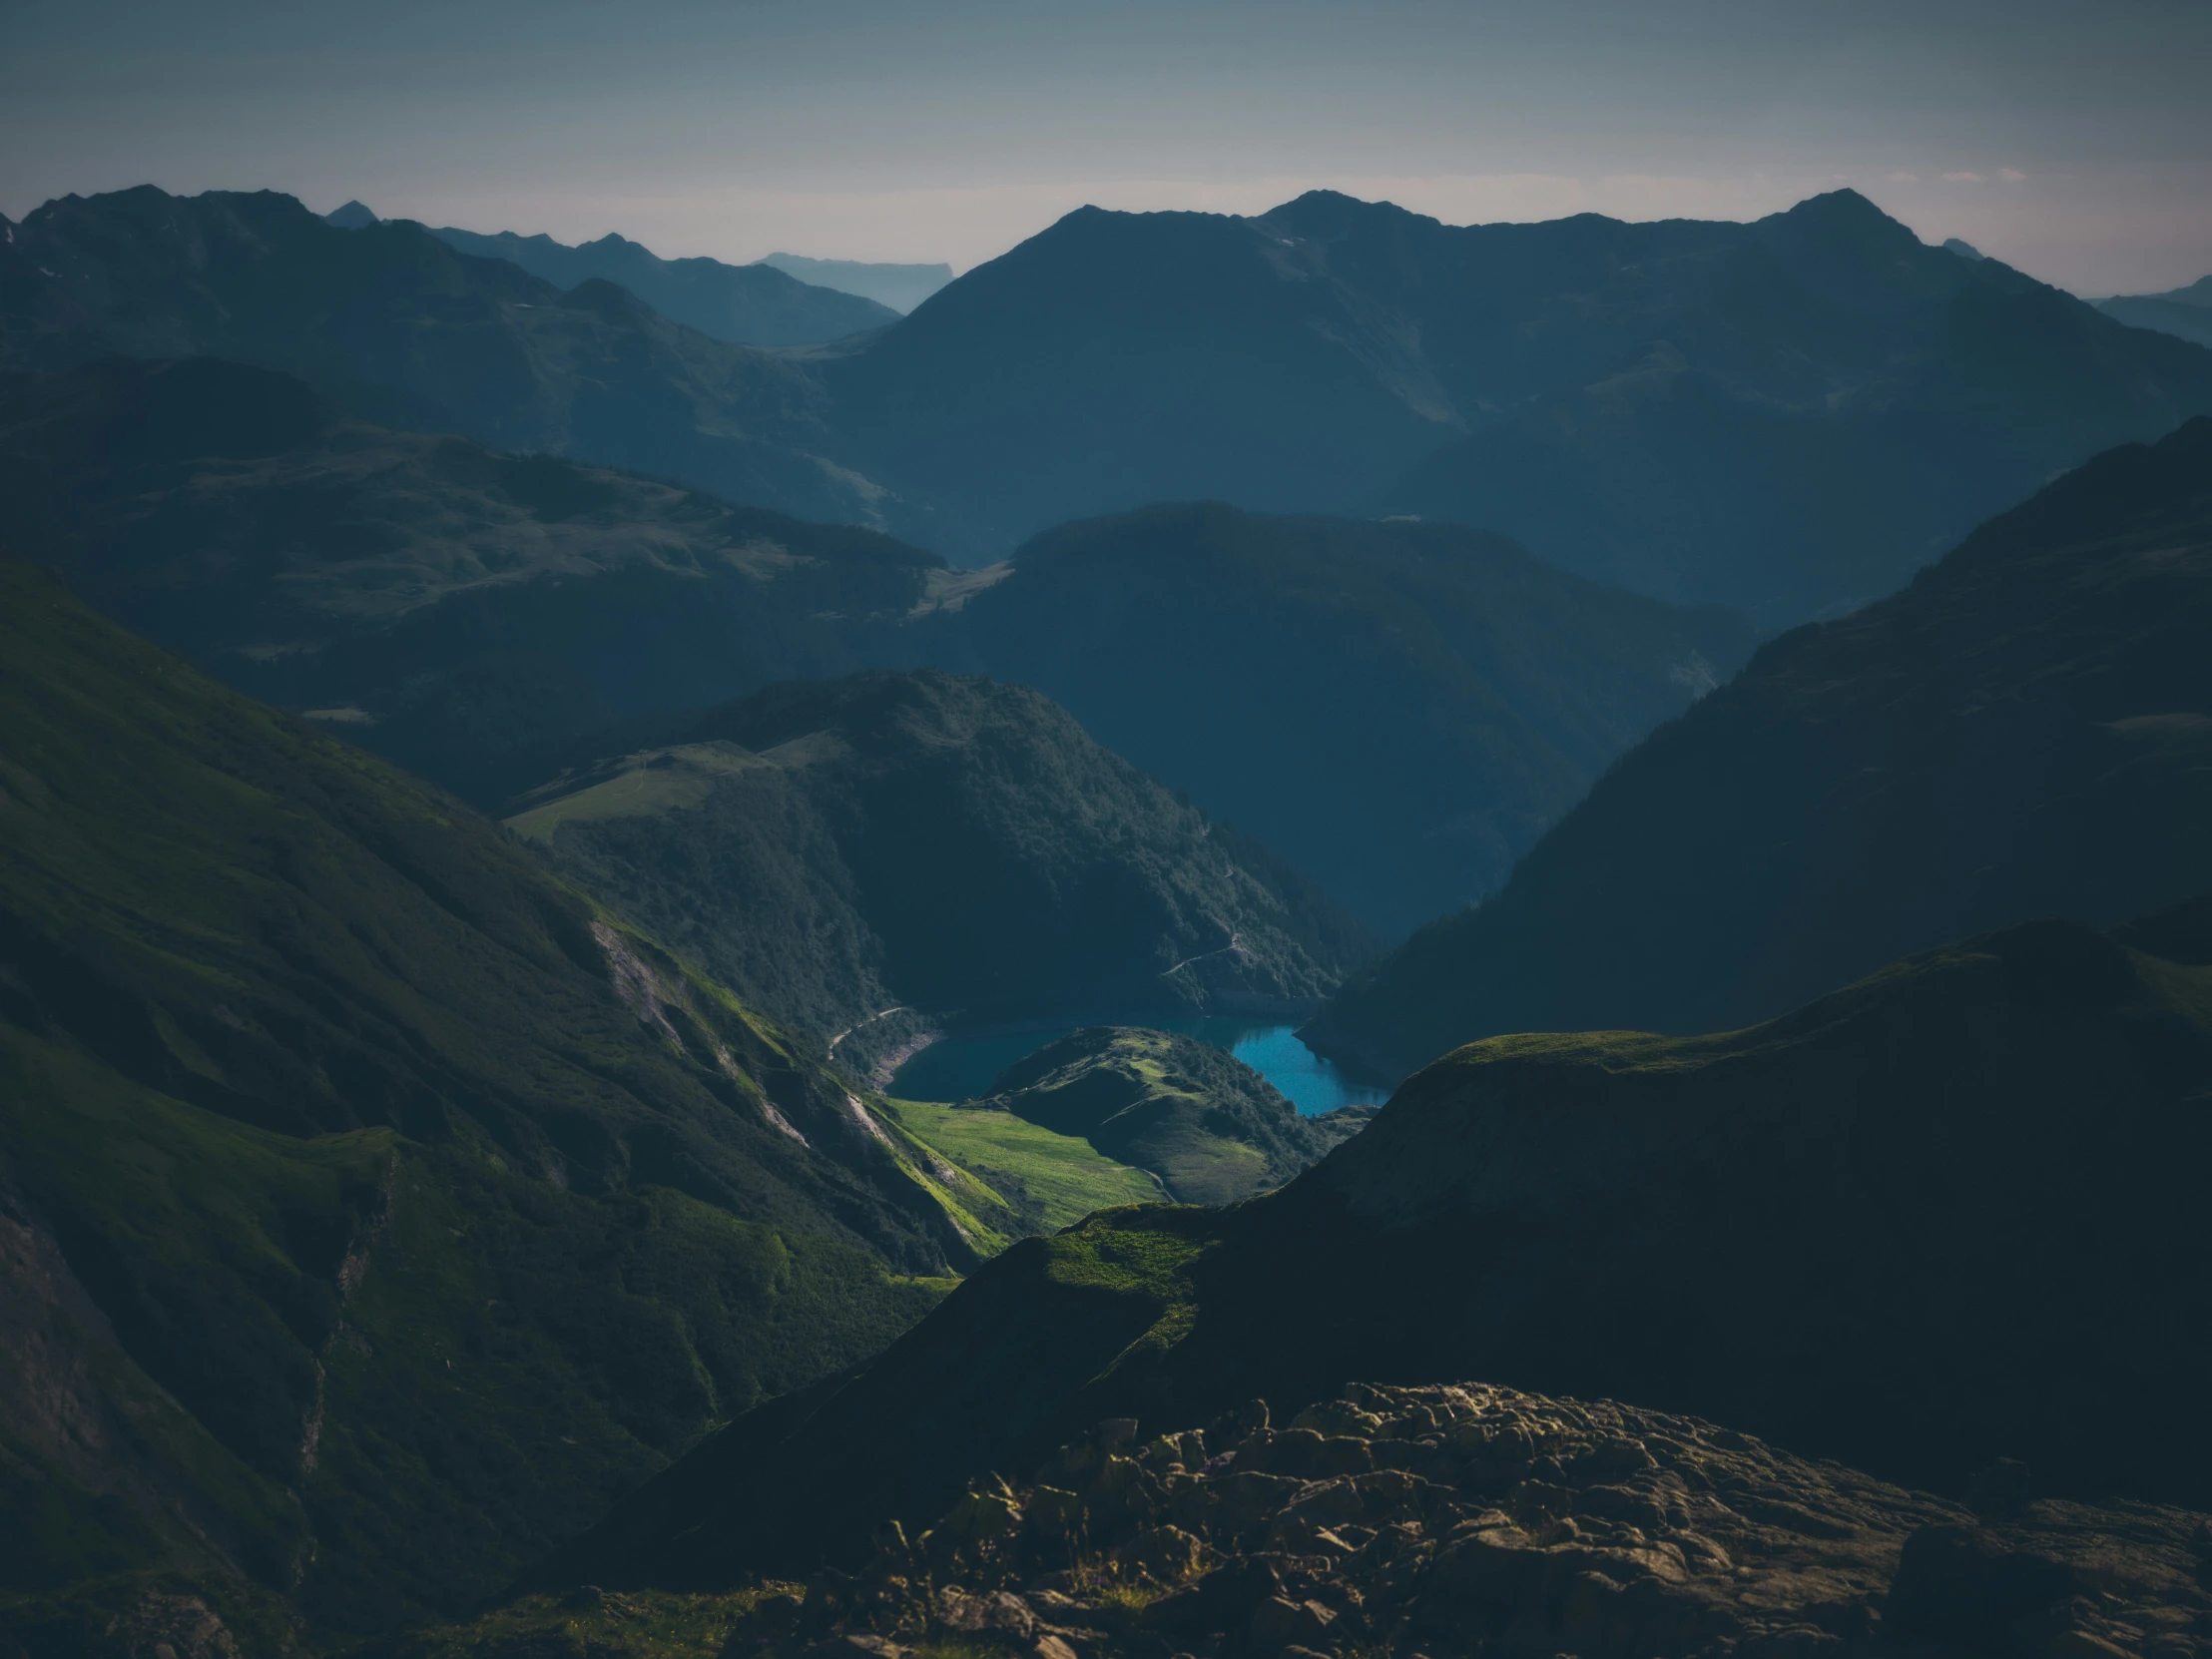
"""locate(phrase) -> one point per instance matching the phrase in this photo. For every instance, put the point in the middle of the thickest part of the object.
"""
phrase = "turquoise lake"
(966, 1063)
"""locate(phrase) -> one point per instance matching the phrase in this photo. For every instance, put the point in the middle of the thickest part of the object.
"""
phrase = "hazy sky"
(2073, 140)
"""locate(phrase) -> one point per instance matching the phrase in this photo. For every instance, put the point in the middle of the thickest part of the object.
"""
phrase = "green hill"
(374, 1208)
(936, 845)
(1401, 709)
(1786, 416)
(1212, 1129)
(1944, 1216)
(2024, 731)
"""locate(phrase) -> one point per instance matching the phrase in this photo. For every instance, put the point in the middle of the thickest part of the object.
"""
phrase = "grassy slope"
(1944, 1215)
(413, 1245)
(2024, 731)
(1064, 1176)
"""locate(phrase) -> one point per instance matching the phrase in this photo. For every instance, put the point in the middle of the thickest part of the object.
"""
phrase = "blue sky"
(2073, 140)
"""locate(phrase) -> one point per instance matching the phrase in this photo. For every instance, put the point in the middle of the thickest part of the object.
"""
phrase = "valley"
(1302, 934)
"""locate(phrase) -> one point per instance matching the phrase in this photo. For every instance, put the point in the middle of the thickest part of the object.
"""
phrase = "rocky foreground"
(1475, 1520)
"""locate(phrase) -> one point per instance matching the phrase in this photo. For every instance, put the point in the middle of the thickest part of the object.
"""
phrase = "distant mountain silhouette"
(901, 287)
(748, 305)
(394, 325)
(1788, 416)
(2186, 313)
(1401, 709)
(2025, 731)
(351, 216)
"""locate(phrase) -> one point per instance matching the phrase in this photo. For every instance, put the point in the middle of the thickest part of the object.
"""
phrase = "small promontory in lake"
(860, 855)
(1210, 1127)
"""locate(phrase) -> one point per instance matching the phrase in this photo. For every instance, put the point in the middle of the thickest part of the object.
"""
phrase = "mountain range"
(2184, 311)
(2024, 731)
(394, 327)
(471, 614)
(747, 304)
(901, 287)
(928, 848)
(476, 616)
(1787, 417)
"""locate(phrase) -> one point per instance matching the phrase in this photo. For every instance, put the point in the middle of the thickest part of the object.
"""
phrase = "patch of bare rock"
(1473, 1520)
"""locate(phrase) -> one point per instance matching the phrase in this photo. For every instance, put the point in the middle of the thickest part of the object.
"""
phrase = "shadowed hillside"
(934, 846)
(1401, 708)
(468, 613)
(374, 1208)
(2024, 731)
(1786, 416)
(1944, 1216)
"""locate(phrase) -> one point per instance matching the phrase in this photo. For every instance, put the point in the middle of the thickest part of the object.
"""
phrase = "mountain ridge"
(2021, 732)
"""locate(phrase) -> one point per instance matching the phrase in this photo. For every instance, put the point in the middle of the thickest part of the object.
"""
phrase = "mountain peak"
(354, 216)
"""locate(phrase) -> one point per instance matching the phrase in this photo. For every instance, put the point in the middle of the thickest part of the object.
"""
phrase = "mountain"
(2183, 312)
(1786, 416)
(474, 615)
(1942, 1216)
(933, 845)
(2024, 731)
(374, 1208)
(468, 613)
(748, 305)
(1401, 709)
(901, 287)
(1210, 1127)
(397, 327)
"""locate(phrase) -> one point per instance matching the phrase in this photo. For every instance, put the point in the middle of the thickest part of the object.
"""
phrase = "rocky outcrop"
(1468, 1519)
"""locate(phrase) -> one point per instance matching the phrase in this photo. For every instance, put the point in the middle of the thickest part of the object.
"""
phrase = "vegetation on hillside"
(1836, 1230)
(933, 845)
(377, 1208)
(2024, 731)
(1212, 1129)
